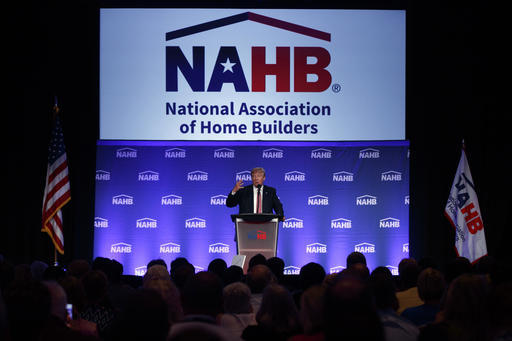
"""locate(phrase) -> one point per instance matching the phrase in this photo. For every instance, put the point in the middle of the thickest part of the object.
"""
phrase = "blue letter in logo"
(194, 75)
(228, 69)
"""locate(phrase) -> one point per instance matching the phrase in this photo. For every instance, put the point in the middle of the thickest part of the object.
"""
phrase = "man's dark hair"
(354, 258)
(276, 265)
(311, 274)
(257, 259)
(156, 262)
(218, 266)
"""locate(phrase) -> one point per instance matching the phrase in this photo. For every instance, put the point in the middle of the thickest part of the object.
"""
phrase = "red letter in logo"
(281, 69)
(472, 219)
(302, 69)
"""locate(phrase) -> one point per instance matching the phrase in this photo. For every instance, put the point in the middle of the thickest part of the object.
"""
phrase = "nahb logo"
(218, 248)
(316, 248)
(146, 223)
(295, 176)
(122, 200)
(321, 153)
(121, 248)
(258, 235)
(389, 223)
(369, 153)
(218, 200)
(272, 153)
(195, 223)
(293, 223)
(100, 223)
(172, 200)
(405, 248)
(197, 176)
(102, 175)
(148, 176)
(291, 270)
(393, 269)
(391, 176)
(126, 153)
(141, 270)
(318, 200)
(170, 248)
(365, 248)
(366, 200)
(341, 223)
(336, 269)
(224, 153)
(343, 176)
(307, 76)
(406, 200)
(175, 153)
(244, 176)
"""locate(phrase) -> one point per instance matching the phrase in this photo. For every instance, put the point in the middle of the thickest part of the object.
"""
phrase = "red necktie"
(258, 206)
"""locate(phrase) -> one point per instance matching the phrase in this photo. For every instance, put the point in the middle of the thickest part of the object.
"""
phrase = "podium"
(255, 233)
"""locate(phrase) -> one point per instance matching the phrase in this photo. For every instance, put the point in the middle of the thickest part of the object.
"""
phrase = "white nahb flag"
(463, 212)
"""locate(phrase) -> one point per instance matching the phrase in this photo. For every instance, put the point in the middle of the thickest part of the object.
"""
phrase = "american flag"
(57, 190)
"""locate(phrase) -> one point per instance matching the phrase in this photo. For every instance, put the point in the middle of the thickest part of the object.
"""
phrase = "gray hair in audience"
(237, 298)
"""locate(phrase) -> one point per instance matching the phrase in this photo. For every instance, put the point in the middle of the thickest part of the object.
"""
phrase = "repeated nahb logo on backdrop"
(149, 176)
(102, 175)
(197, 176)
(122, 200)
(121, 248)
(195, 223)
(291, 270)
(369, 153)
(336, 269)
(366, 200)
(341, 223)
(218, 200)
(295, 176)
(172, 200)
(175, 153)
(244, 176)
(318, 200)
(224, 153)
(100, 222)
(146, 223)
(170, 248)
(321, 153)
(389, 223)
(230, 68)
(365, 248)
(272, 153)
(218, 248)
(391, 176)
(126, 153)
(293, 223)
(343, 176)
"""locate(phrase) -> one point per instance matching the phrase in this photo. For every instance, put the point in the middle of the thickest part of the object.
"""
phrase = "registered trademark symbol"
(336, 87)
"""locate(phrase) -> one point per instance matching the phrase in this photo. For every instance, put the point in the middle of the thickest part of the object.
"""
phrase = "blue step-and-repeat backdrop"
(159, 199)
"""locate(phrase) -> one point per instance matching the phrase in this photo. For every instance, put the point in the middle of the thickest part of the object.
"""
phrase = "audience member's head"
(431, 286)
(456, 267)
(237, 298)
(143, 318)
(54, 273)
(276, 265)
(157, 262)
(103, 264)
(218, 266)
(37, 269)
(408, 271)
(349, 311)
(258, 277)
(464, 307)
(311, 274)
(117, 271)
(181, 271)
(358, 270)
(428, 262)
(78, 268)
(500, 314)
(74, 291)
(485, 265)
(58, 300)
(233, 274)
(354, 258)
(202, 295)
(312, 309)
(95, 285)
(278, 311)
(383, 288)
(257, 259)
(157, 278)
(28, 304)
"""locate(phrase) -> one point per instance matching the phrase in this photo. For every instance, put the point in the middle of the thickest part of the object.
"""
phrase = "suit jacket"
(244, 198)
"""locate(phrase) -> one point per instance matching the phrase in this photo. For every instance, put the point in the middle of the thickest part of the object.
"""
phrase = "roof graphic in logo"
(284, 25)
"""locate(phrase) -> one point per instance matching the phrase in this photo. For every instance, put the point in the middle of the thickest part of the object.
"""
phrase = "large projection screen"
(261, 74)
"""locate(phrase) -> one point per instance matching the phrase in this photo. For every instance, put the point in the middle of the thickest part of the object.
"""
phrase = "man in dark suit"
(247, 197)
